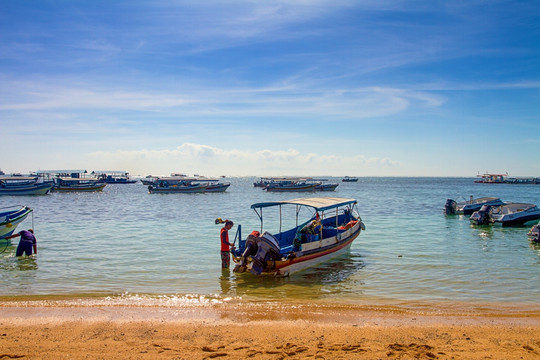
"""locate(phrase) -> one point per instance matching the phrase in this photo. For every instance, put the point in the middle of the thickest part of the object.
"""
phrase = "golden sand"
(264, 330)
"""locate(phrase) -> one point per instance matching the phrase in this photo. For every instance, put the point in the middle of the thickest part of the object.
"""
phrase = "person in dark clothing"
(27, 243)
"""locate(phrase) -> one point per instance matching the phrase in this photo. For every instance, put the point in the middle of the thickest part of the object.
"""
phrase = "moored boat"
(24, 185)
(468, 207)
(68, 184)
(113, 177)
(349, 179)
(488, 178)
(507, 215)
(328, 231)
(217, 187)
(326, 186)
(10, 217)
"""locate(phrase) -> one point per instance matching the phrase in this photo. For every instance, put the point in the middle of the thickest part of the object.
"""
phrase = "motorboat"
(349, 179)
(468, 207)
(10, 217)
(24, 185)
(217, 187)
(534, 233)
(507, 215)
(114, 177)
(326, 186)
(290, 185)
(70, 184)
(176, 184)
(488, 178)
(328, 230)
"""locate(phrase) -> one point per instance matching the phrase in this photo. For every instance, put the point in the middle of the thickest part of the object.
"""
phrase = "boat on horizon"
(509, 214)
(330, 227)
(10, 217)
(349, 179)
(488, 178)
(113, 177)
(24, 185)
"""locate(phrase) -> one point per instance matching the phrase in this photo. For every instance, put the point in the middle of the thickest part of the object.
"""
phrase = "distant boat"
(10, 217)
(488, 178)
(184, 184)
(68, 184)
(113, 177)
(507, 215)
(326, 186)
(296, 186)
(349, 179)
(468, 207)
(217, 187)
(23, 185)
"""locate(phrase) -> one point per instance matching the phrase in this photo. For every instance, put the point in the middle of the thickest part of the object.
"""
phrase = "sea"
(128, 246)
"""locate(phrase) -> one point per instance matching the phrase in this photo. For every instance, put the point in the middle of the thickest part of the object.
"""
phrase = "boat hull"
(309, 187)
(98, 187)
(10, 219)
(34, 189)
(217, 187)
(315, 258)
(176, 189)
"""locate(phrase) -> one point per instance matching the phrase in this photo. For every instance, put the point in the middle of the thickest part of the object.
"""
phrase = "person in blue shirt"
(27, 243)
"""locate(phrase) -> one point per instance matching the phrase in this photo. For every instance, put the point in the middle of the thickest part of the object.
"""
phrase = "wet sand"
(265, 330)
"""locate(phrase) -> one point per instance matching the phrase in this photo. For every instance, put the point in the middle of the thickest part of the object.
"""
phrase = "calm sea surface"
(128, 243)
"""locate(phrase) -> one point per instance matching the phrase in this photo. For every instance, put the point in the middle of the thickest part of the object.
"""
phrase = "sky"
(271, 88)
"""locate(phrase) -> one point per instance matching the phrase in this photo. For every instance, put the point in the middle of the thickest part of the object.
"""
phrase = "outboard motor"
(534, 233)
(267, 249)
(482, 216)
(251, 250)
(450, 208)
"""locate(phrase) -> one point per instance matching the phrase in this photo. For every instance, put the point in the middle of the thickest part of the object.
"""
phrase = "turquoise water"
(125, 241)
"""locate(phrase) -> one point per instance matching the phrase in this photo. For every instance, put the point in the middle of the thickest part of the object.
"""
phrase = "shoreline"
(78, 329)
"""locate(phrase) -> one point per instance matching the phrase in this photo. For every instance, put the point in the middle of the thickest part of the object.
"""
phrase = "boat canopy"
(318, 203)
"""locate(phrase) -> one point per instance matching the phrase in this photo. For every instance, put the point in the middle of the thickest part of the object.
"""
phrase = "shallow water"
(125, 241)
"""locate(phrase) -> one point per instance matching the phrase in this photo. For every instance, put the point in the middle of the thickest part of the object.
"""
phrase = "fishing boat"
(149, 180)
(468, 207)
(326, 186)
(331, 226)
(69, 184)
(176, 184)
(507, 215)
(217, 187)
(290, 185)
(24, 185)
(10, 217)
(113, 177)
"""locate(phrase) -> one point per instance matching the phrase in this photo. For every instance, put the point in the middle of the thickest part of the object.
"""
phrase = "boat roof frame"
(317, 203)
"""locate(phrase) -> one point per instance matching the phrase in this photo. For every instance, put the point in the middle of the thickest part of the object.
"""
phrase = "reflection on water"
(319, 281)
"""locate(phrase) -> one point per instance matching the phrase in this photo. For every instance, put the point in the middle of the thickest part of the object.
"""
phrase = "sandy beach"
(264, 330)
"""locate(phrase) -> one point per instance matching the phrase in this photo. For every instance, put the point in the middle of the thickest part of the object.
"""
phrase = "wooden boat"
(10, 217)
(114, 177)
(68, 184)
(176, 184)
(23, 185)
(330, 229)
(217, 187)
(468, 207)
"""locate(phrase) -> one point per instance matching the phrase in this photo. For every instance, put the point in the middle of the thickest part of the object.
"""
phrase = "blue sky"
(364, 88)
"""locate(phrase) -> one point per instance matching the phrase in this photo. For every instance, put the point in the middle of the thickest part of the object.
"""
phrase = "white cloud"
(213, 161)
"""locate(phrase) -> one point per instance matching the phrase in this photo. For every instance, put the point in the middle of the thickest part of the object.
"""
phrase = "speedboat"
(534, 233)
(329, 230)
(10, 217)
(23, 185)
(468, 207)
(326, 186)
(507, 215)
(349, 179)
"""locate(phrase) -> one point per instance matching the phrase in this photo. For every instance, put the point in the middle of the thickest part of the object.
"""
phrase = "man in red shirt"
(225, 244)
